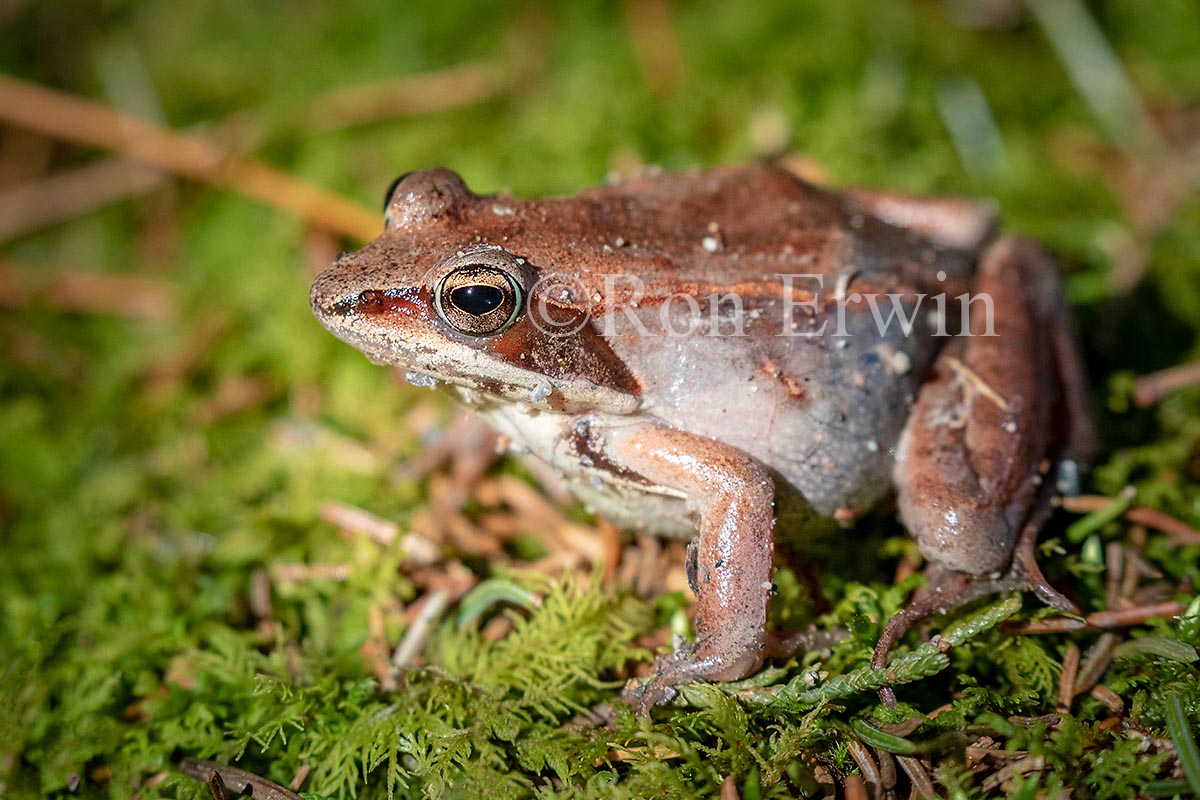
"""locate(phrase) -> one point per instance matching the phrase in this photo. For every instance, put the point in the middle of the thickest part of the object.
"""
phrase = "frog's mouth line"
(454, 364)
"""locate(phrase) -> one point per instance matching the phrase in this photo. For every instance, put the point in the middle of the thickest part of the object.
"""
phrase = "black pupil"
(477, 299)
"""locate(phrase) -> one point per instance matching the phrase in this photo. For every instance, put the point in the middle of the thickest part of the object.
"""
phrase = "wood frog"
(703, 354)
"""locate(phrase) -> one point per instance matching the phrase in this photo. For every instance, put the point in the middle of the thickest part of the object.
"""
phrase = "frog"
(719, 353)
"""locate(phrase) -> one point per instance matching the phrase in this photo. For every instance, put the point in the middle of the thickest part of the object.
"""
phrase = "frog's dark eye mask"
(478, 299)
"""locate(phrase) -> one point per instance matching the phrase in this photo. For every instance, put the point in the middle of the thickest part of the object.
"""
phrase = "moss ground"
(182, 573)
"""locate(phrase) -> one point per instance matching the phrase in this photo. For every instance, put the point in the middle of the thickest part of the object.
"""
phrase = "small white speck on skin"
(711, 244)
(420, 379)
(872, 446)
(767, 585)
(843, 284)
(502, 211)
(857, 221)
(1010, 426)
(596, 297)
(619, 241)
(541, 393)
(898, 362)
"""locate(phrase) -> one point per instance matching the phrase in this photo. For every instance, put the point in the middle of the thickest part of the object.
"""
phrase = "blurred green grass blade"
(1185, 744)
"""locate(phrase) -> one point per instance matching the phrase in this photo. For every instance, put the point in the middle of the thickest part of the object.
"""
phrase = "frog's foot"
(690, 663)
(946, 590)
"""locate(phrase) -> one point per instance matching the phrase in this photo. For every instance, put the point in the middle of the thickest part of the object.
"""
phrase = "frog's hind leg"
(976, 462)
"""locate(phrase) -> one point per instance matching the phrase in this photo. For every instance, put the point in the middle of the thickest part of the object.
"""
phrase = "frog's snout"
(331, 296)
(322, 303)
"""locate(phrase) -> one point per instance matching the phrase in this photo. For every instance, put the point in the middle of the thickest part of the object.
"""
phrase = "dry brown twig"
(655, 44)
(1095, 662)
(74, 119)
(222, 776)
(427, 92)
(1098, 620)
(77, 191)
(1066, 682)
(72, 193)
(1151, 389)
(129, 296)
(1022, 767)
(916, 772)
(866, 762)
(300, 777)
(432, 606)
(856, 788)
(1179, 531)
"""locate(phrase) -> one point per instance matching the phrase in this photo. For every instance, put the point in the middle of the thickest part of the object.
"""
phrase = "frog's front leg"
(730, 560)
(976, 463)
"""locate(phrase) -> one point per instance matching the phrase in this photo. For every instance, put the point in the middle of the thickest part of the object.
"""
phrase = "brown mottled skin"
(784, 403)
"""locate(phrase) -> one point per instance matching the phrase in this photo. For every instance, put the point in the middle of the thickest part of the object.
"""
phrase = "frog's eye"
(478, 300)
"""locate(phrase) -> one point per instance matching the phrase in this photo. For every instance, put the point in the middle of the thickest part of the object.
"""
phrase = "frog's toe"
(691, 662)
(1026, 574)
(645, 694)
(945, 591)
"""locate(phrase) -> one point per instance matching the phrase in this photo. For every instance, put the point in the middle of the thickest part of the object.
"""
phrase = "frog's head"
(454, 290)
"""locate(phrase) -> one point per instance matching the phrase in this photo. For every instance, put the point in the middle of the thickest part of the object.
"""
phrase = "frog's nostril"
(368, 300)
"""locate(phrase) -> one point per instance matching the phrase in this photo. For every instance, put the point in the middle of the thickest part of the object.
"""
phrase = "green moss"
(138, 502)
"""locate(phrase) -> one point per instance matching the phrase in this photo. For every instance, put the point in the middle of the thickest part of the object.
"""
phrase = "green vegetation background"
(132, 515)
